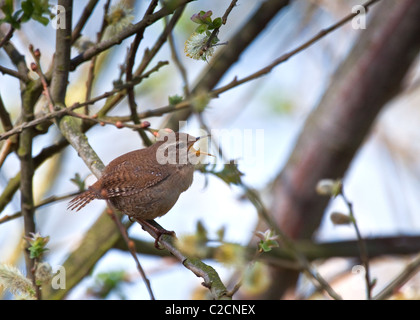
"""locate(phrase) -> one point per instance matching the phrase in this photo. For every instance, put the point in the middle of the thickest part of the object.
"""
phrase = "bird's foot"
(159, 233)
(156, 229)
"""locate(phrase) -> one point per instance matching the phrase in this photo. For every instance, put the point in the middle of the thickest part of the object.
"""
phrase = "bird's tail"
(81, 200)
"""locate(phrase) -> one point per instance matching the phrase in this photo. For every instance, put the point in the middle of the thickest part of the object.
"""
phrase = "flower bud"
(339, 218)
(329, 187)
(43, 272)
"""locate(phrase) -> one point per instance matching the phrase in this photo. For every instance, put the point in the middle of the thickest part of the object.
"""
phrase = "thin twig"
(177, 60)
(364, 255)
(148, 56)
(131, 248)
(17, 59)
(409, 271)
(65, 111)
(87, 12)
(215, 32)
(235, 82)
(102, 122)
(45, 202)
(7, 37)
(200, 269)
(131, 56)
(129, 31)
(14, 73)
(91, 74)
(36, 66)
(320, 283)
(5, 117)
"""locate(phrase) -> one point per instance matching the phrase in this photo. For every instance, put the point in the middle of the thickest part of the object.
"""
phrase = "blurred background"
(382, 181)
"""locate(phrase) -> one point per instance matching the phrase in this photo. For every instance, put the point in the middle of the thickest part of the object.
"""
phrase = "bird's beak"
(198, 152)
(202, 137)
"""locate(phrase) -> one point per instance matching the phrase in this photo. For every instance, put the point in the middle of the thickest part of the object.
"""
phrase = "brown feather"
(81, 200)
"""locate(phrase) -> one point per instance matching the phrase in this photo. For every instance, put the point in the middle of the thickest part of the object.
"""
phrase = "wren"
(146, 183)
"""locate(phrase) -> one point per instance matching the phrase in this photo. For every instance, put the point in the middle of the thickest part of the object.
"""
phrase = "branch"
(177, 61)
(87, 12)
(7, 37)
(16, 57)
(369, 77)
(24, 153)
(149, 54)
(44, 202)
(200, 269)
(332, 135)
(62, 56)
(68, 111)
(58, 146)
(377, 246)
(79, 263)
(5, 117)
(129, 31)
(131, 247)
(14, 73)
(364, 255)
(91, 74)
(409, 271)
(298, 256)
(230, 53)
(131, 56)
(235, 82)
(215, 32)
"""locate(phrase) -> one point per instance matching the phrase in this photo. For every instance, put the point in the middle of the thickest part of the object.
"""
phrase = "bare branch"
(87, 12)
(14, 73)
(129, 31)
(131, 248)
(409, 271)
(200, 269)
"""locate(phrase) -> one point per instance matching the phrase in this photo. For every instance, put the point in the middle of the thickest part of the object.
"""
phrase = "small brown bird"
(146, 183)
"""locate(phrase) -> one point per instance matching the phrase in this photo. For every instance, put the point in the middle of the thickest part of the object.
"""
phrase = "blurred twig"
(131, 247)
(409, 271)
(131, 56)
(86, 14)
(68, 110)
(199, 268)
(364, 256)
(235, 82)
(127, 32)
(49, 200)
(91, 74)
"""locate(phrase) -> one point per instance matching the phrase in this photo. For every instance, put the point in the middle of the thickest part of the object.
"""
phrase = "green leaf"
(202, 17)
(7, 8)
(268, 245)
(173, 100)
(201, 28)
(201, 232)
(78, 181)
(28, 8)
(230, 173)
(217, 23)
(37, 245)
(205, 16)
(107, 282)
(41, 19)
